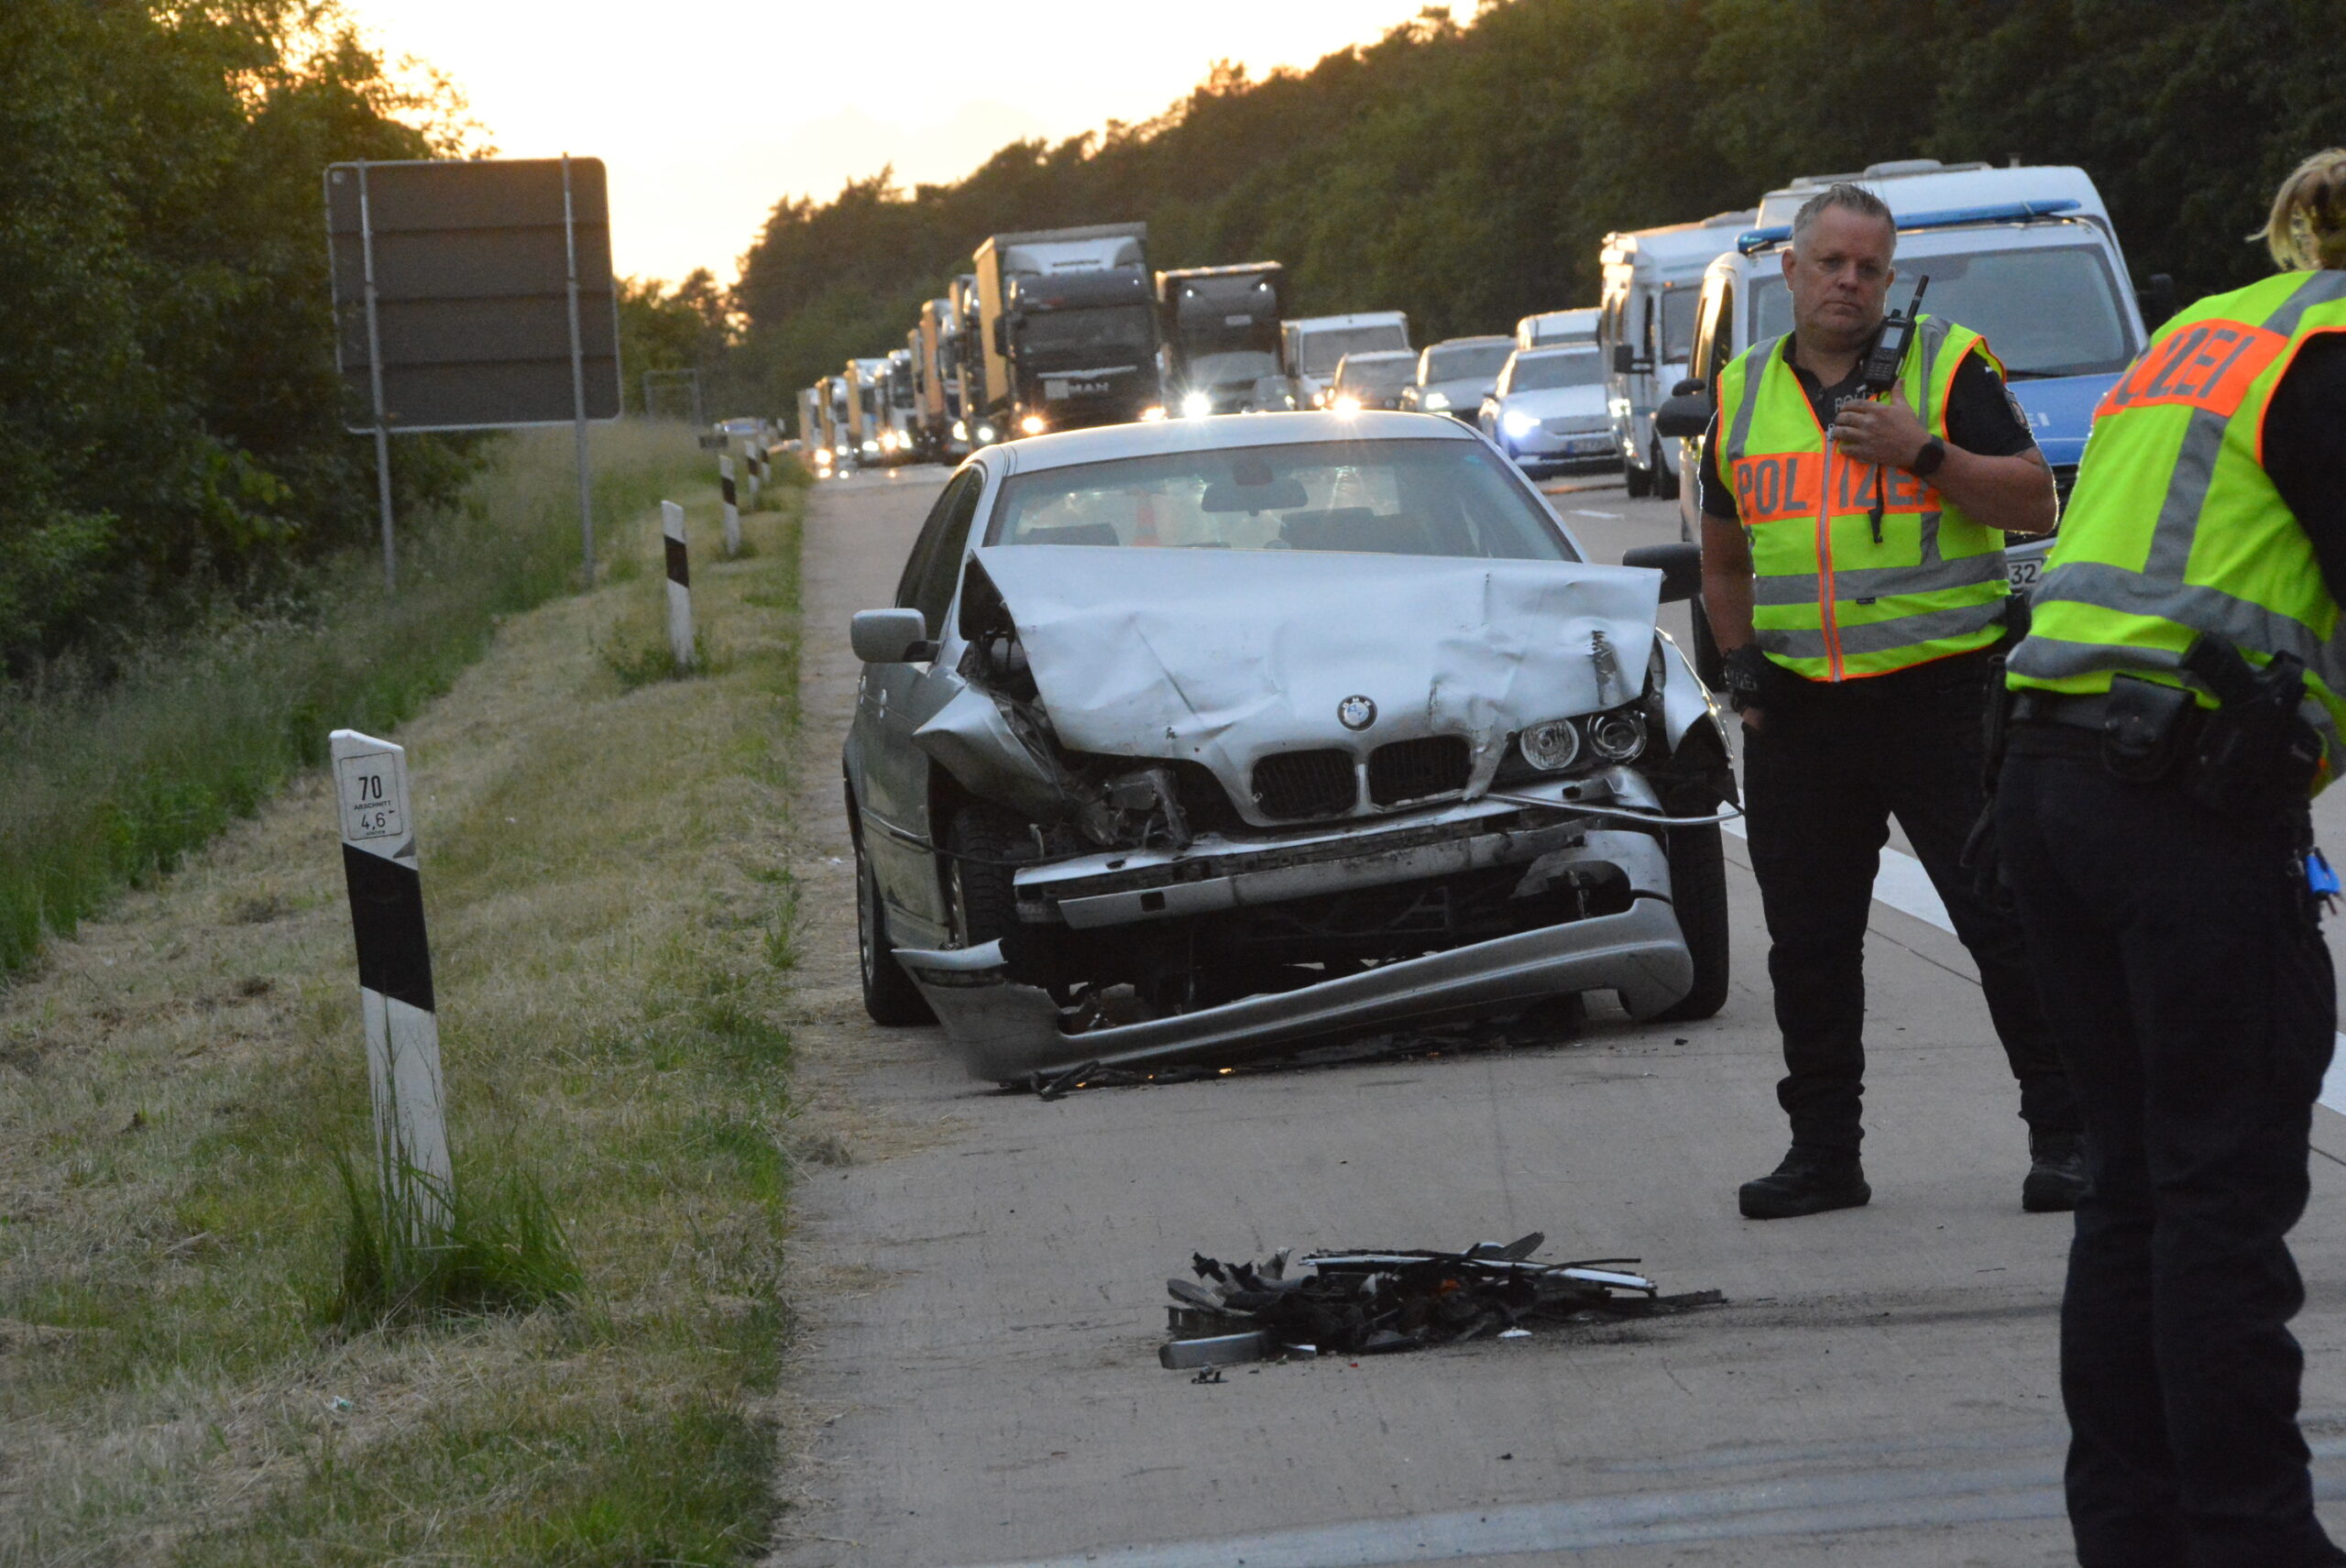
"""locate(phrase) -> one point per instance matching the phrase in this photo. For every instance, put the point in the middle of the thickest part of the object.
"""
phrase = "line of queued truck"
(1065, 328)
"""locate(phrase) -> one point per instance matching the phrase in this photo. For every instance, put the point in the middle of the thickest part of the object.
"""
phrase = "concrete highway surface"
(982, 1286)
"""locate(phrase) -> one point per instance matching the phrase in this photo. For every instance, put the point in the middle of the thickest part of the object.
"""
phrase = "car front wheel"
(889, 995)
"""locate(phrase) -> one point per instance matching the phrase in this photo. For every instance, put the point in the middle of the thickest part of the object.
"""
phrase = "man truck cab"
(1645, 327)
(1220, 331)
(2025, 257)
(866, 381)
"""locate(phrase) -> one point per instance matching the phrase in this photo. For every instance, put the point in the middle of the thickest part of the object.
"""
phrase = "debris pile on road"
(1376, 1302)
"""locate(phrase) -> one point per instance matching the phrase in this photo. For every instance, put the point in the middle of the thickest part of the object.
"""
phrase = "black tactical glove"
(1749, 674)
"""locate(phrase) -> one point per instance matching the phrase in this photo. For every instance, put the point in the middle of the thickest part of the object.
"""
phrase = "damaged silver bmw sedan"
(1197, 741)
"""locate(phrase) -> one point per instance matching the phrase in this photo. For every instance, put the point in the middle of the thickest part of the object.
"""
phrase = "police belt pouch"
(2255, 752)
(2142, 728)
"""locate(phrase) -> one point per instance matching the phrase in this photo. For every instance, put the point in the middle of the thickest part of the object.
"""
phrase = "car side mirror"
(890, 636)
(1686, 415)
(1687, 384)
(2157, 299)
(1625, 359)
(1680, 566)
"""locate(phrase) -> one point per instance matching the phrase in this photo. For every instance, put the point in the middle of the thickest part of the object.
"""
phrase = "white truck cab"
(1552, 329)
(1645, 328)
(1310, 348)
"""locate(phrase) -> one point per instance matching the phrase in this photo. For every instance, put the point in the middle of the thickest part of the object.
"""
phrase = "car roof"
(1477, 340)
(1555, 350)
(1067, 448)
(1365, 356)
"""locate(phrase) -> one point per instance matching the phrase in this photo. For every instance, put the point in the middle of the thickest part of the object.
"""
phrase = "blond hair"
(2307, 229)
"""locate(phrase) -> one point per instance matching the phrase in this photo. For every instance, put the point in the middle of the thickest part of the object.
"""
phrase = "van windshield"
(1541, 372)
(1324, 347)
(1459, 361)
(1678, 322)
(2049, 311)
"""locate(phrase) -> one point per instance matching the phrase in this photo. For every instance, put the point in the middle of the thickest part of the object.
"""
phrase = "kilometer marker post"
(680, 584)
(379, 864)
(733, 507)
(757, 467)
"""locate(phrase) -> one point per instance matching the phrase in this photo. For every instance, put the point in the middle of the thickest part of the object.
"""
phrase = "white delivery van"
(1646, 326)
(1310, 348)
(1552, 329)
(2025, 257)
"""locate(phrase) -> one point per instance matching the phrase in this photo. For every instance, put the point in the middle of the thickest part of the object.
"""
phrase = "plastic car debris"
(1375, 1301)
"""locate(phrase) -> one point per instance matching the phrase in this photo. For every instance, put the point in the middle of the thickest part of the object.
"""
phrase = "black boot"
(2056, 1173)
(1808, 1182)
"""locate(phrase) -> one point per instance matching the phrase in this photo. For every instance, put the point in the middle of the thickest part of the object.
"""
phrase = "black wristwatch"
(1927, 462)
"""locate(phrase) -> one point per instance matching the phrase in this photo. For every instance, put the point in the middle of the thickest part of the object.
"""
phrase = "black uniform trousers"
(2187, 982)
(1822, 776)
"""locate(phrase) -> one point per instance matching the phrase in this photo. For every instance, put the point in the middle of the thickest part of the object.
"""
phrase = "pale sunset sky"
(707, 115)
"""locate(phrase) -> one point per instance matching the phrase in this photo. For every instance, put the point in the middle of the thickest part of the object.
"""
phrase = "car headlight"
(1551, 747)
(872, 447)
(1344, 404)
(1617, 736)
(1152, 415)
(1517, 423)
(1033, 424)
(1196, 405)
(1435, 402)
(985, 433)
(961, 430)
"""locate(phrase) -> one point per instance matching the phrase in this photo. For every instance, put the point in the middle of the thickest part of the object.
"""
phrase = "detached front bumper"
(1006, 1031)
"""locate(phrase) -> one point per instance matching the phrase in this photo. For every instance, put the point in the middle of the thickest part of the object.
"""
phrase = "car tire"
(1665, 483)
(889, 995)
(984, 841)
(1638, 481)
(1698, 893)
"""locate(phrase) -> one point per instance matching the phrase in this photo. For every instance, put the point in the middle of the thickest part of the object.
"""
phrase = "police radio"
(1887, 358)
(1883, 364)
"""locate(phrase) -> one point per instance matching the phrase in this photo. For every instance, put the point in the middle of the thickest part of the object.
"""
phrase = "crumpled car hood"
(1220, 655)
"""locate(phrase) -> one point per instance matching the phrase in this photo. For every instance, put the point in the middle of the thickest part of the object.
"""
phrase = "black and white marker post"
(680, 584)
(378, 863)
(732, 507)
(752, 455)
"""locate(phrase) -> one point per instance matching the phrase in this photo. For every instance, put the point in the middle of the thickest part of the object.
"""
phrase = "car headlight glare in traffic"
(1435, 402)
(872, 447)
(1033, 424)
(1152, 415)
(985, 433)
(1196, 405)
(961, 430)
(1344, 404)
(1617, 737)
(1517, 423)
(1551, 747)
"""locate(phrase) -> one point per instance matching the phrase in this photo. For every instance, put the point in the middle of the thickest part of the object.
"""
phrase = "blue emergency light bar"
(1751, 240)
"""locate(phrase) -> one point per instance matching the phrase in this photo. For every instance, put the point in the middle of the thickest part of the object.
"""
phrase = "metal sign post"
(579, 380)
(375, 382)
(415, 1175)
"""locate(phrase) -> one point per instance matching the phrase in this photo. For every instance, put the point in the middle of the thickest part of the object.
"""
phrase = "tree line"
(1467, 172)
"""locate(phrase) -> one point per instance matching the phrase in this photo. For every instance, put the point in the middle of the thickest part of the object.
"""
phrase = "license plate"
(2024, 574)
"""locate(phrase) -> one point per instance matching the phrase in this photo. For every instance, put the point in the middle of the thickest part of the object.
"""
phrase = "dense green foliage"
(1467, 173)
(171, 420)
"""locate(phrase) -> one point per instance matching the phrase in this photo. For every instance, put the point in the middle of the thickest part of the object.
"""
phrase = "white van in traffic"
(1310, 348)
(1552, 329)
(1646, 326)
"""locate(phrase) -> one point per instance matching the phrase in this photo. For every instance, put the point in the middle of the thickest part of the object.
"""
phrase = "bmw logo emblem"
(1357, 713)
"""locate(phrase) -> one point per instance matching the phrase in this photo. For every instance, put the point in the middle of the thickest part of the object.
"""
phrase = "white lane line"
(1584, 511)
(1905, 886)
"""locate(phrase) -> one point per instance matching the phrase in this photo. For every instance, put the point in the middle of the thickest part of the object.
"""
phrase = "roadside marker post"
(680, 584)
(379, 864)
(757, 466)
(733, 507)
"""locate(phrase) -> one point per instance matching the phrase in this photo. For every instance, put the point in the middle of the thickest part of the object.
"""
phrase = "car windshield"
(1378, 498)
(1247, 365)
(1459, 362)
(2045, 311)
(1322, 346)
(1539, 372)
(1678, 322)
(1116, 334)
(1375, 375)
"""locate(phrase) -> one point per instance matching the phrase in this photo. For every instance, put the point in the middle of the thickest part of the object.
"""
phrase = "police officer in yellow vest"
(1854, 577)
(2179, 699)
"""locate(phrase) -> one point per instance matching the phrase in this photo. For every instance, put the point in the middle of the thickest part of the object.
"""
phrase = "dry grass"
(610, 908)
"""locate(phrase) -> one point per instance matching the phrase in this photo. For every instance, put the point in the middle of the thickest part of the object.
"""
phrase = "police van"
(2026, 256)
(1653, 278)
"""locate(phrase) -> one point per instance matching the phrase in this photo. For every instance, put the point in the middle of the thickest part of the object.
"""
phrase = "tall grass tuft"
(106, 789)
(504, 1250)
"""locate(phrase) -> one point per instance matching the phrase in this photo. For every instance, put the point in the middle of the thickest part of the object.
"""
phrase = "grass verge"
(605, 878)
(103, 791)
